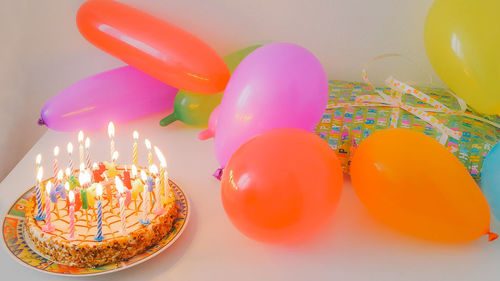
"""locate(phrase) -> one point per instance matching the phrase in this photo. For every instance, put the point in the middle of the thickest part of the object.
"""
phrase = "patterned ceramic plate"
(21, 248)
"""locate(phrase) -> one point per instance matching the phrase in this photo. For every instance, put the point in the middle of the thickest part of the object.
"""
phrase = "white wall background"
(41, 51)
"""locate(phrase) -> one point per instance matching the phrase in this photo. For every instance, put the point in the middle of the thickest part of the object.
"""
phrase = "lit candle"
(84, 180)
(48, 227)
(111, 134)
(120, 188)
(135, 148)
(134, 172)
(98, 191)
(38, 192)
(67, 173)
(70, 151)
(97, 173)
(38, 161)
(145, 202)
(150, 155)
(56, 164)
(60, 187)
(80, 147)
(158, 209)
(114, 157)
(71, 197)
(163, 173)
(87, 152)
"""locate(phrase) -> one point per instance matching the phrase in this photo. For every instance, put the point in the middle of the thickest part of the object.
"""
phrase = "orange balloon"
(282, 185)
(153, 46)
(412, 183)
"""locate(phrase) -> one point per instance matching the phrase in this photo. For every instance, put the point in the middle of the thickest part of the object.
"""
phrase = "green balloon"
(194, 109)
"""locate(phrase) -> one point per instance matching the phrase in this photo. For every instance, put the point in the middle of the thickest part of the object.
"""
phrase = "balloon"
(412, 183)
(120, 95)
(212, 124)
(156, 47)
(490, 179)
(282, 186)
(194, 109)
(277, 85)
(462, 43)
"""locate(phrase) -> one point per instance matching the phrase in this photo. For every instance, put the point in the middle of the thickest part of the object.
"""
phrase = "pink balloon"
(118, 95)
(212, 124)
(277, 85)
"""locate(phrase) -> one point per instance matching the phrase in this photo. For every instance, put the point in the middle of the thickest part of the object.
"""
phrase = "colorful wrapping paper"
(345, 127)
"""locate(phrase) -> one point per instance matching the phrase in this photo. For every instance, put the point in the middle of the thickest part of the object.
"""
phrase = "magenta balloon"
(277, 85)
(118, 95)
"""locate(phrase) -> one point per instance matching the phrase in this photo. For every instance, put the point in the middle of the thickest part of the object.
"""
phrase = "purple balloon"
(118, 95)
(277, 85)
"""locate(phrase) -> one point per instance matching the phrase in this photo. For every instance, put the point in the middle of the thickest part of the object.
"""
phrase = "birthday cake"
(100, 215)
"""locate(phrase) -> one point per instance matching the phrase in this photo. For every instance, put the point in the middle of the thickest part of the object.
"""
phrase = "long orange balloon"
(412, 183)
(153, 46)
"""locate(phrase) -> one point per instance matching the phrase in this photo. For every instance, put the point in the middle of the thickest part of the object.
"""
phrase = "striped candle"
(87, 153)
(70, 152)
(48, 227)
(80, 147)
(135, 148)
(111, 134)
(38, 191)
(163, 172)
(99, 237)
(150, 155)
(145, 201)
(56, 164)
(71, 197)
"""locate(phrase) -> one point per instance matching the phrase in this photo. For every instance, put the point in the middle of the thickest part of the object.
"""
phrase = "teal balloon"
(490, 180)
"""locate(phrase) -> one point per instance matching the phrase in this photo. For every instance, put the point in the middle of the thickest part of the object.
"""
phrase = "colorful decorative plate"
(21, 247)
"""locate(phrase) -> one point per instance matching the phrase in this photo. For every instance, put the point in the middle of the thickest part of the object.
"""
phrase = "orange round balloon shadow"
(153, 46)
(412, 183)
(282, 186)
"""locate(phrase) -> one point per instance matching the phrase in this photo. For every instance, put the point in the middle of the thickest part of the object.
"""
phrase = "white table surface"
(352, 247)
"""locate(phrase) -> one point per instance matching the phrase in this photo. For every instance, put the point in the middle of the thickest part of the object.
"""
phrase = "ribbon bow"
(399, 89)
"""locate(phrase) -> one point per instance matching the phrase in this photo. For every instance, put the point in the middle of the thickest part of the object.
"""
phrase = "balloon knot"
(41, 122)
(218, 173)
(492, 236)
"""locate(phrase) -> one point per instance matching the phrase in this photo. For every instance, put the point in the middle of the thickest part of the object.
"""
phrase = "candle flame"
(80, 136)
(56, 151)
(87, 143)
(144, 176)
(111, 129)
(119, 184)
(115, 156)
(60, 175)
(38, 159)
(153, 169)
(70, 147)
(135, 134)
(98, 190)
(134, 171)
(71, 196)
(67, 172)
(148, 144)
(95, 166)
(66, 186)
(160, 156)
(39, 175)
(48, 187)
(84, 177)
(82, 166)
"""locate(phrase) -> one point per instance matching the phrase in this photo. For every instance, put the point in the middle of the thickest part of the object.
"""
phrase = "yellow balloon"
(463, 44)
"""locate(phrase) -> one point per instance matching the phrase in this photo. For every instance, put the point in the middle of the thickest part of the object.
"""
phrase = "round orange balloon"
(153, 46)
(282, 185)
(414, 184)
